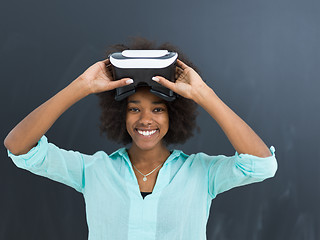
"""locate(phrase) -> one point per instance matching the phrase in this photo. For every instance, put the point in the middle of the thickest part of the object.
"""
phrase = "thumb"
(120, 83)
(164, 82)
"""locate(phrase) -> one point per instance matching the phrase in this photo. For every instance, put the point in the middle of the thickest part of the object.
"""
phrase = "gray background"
(261, 57)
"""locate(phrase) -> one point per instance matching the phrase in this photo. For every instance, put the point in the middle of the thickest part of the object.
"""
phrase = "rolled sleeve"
(257, 167)
(49, 161)
(241, 169)
(33, 157)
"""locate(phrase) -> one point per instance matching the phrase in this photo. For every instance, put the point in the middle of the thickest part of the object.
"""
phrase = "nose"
(146, 118)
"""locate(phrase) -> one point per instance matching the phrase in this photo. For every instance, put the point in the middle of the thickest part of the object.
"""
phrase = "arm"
(242, 137)
(27, 133)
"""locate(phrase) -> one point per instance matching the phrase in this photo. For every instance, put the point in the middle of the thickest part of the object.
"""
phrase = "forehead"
(143, 94)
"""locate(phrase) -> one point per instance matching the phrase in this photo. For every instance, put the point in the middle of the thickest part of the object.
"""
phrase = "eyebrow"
(137, 102)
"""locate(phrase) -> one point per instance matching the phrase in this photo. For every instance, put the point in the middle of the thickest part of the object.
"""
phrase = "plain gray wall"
(261, 57)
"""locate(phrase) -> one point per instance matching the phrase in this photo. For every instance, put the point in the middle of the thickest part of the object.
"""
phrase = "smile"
(146, 133)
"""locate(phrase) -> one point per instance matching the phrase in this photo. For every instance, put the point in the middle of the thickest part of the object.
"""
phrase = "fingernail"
(129, 81)
(155, 79)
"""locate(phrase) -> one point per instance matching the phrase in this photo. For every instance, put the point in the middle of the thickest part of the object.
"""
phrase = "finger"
(106, 61)
(109, 68)
(164, 82)
(106, 69)
(120, 83)
(182, 64)
(109, 74)
(179, 70)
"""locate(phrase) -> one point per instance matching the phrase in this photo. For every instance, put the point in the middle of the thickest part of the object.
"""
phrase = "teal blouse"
(177, 208)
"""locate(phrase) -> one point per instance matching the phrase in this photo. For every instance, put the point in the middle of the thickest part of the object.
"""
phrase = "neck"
(150, 157)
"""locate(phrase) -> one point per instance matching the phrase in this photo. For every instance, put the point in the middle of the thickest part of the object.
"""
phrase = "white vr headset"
(141, 66)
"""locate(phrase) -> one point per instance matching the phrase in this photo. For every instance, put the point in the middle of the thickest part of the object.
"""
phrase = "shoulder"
(199, 155)
(103, 154)
(101, 157)
(199, 158)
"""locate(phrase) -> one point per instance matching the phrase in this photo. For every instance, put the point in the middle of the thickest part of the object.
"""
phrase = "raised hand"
(98, 78)
(188, 83)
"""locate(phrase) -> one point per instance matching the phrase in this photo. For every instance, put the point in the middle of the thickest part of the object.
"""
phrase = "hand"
(188, 84)
(99, 78)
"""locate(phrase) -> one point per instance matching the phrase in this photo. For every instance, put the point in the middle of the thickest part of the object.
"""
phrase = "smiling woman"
(182, 112)
(144, 191)
(147, 120)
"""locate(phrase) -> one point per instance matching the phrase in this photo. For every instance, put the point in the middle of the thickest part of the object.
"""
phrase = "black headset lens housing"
(141, 66)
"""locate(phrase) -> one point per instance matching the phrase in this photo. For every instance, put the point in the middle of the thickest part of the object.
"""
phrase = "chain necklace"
(145, 176)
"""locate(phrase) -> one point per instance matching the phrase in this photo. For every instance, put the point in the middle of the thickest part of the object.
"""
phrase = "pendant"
(144, 178)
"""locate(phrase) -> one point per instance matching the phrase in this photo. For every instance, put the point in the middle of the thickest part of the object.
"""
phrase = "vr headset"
(141, 66)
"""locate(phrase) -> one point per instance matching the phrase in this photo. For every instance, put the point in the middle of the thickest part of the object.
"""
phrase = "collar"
(124, 154)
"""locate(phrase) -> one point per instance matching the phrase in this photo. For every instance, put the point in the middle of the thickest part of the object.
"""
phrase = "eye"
(158, 109)
(133, 109)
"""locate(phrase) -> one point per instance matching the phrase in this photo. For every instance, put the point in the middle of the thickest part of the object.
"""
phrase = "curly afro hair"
(182, 111)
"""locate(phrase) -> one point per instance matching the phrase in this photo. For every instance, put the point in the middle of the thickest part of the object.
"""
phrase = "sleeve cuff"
(272, 151)
(258, 167)
(34, 155)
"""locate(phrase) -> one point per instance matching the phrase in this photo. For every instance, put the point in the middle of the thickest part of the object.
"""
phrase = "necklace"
(145, 176)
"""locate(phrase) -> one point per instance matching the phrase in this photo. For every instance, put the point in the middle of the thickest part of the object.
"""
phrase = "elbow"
(7, 143)
(12, 146)
(264, 154)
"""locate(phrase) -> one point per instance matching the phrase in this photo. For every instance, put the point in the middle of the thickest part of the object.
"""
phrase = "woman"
(144, 191)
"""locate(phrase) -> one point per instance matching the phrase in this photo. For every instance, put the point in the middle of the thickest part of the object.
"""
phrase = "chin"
(146, 147)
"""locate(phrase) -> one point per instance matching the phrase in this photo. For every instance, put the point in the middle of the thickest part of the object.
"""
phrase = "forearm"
(28, 132)
(241, 136)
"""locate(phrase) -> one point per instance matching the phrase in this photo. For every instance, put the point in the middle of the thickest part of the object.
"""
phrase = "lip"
(146, 129)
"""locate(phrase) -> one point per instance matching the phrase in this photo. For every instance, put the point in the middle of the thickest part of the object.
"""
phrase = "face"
(147, 119)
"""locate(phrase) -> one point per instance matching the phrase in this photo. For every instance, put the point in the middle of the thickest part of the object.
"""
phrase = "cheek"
(166, 122)
(127, 127)
(128, 123)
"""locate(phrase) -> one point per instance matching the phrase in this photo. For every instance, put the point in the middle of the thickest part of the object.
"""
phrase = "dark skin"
(147, 122)
(190, 85)
(147, 114)
(145, 154)
(27, 133)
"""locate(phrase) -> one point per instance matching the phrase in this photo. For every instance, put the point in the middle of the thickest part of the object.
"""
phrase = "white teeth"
(146, 133)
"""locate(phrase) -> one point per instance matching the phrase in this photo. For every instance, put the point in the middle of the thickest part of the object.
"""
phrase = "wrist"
(202, 94)
(81, 86)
